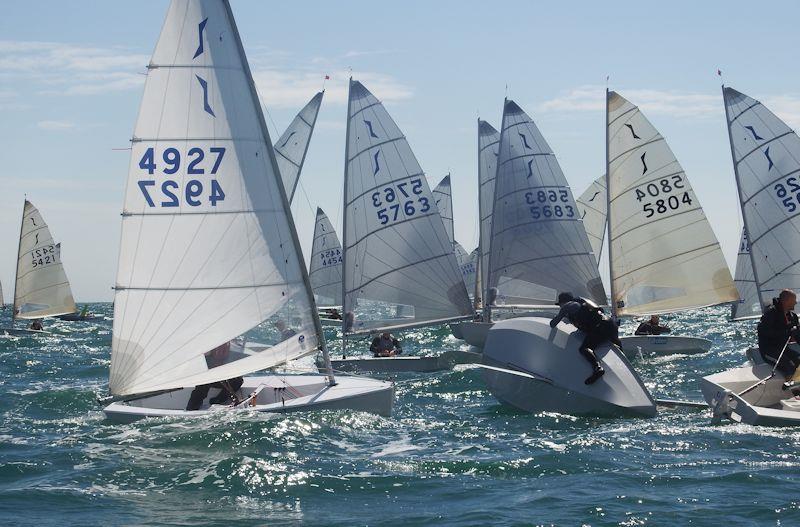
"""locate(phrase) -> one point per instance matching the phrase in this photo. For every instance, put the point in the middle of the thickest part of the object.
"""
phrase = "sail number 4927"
(168, 192)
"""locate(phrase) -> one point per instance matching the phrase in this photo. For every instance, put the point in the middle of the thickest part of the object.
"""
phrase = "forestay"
(592, 206)
(399, 265)
(292, 146)
(42, 288)
(664, 255)
(326, 263)
(443, 197)
(488, 145)
(208, 248)
(539, 245)
(766, 159)
(748, 305)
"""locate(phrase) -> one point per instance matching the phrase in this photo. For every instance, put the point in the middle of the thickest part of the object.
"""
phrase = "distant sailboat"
(592, 206)
(208, 246)
(325, 272)
(443, 196)
(399, 269)
(749, 304)
(292, 146)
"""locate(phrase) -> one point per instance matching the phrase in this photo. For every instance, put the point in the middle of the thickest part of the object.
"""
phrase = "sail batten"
(663, 253)
(399, 268)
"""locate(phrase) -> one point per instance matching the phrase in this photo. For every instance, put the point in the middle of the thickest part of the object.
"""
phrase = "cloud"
(55, 125)
(787, 107)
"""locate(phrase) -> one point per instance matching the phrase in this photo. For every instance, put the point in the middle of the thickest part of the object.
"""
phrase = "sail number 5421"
(168, 193)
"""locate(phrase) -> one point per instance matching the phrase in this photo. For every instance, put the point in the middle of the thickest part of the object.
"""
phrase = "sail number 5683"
(168, 193)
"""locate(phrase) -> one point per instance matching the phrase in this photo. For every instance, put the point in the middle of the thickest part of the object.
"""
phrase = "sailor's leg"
(593, 338)
(197, 397)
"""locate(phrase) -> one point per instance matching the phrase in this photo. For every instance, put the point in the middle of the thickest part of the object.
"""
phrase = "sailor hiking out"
(777, 325)
(651, 327)
(589, 318)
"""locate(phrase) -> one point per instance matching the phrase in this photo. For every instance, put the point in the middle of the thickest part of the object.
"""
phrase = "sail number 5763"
(391, 200)
(168, 192)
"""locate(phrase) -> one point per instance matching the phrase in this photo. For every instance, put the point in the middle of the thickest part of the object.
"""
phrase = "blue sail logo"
(204, 85)
(200, 28)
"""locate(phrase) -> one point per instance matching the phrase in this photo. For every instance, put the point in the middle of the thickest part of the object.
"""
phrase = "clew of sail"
(539, 245)
(399, 265)
(325, 272)
(749, 305)
(208, 248)
(291, 148)
(592, 207)
(663, 252)
(42, 288)
(766, 160)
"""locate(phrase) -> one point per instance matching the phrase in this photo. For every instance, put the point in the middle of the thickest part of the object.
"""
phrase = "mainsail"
(42, 288)
(539, 245)
(208, 248)
(766, 161)
(326, 263)
(443, 197)
(488, 146)
(399, 265)
(467, 263)
(749, 305)
(664, 255)
(592, 206)
(292, 146)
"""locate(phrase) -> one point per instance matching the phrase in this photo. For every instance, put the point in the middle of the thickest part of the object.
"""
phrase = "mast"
(345, 313)
(285, 201)
(479, 292)
(741, 200)
(19, 248)
(487, 308)
(608, 223)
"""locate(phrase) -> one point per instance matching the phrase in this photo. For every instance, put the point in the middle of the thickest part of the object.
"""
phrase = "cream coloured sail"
(766, 160)
(399, 265)
(488, 146)
(592, 206)
(443, 197)
(208, 248)
(749, 305)
(325, 272)
(291, 148)
(42, 288)
(539, 246)
(664, 255)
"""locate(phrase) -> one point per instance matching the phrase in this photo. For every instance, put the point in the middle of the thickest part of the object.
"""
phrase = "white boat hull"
(23, 332)
(401, 364)
(474, 333)
(660, 345)
(554, 372)
(279, 394)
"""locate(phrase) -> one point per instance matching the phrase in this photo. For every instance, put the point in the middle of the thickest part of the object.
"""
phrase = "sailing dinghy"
(41, 288)
(749, 304)
(325, 271)
(399, 269)
(766, 160)
(443, 195)
(539, 247)
(209, 250)
(663, 253)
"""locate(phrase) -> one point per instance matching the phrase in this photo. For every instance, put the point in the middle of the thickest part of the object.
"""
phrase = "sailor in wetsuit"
(227, 395)
(651, 327)
(589, 318)
(385, 346)
(777, 324)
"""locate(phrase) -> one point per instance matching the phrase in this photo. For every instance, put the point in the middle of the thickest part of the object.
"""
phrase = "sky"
(72, 75)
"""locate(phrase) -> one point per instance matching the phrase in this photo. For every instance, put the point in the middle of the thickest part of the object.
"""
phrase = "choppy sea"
(450, 455)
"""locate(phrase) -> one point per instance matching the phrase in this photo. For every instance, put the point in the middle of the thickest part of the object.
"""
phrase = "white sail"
(399, 265)
(467, 263)
(592, 206)
(208, 248)
(664, 255)
(2, 300)
(539, 246)
(291, 148)
(766, 159)
(443, 197)
(42, 288)
(325, 272)
(488, 146)
(749, 305)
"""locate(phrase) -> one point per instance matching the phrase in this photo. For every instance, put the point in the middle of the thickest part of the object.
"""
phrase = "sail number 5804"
(666, 202)
(168, 193)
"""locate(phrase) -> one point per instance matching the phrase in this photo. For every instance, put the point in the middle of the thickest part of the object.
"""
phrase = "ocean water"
(450, 455)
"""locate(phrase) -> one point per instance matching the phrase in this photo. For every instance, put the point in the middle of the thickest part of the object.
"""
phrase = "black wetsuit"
(774, 329)
(379, 344)
(596, 327)
(227, 395)
(648, 328)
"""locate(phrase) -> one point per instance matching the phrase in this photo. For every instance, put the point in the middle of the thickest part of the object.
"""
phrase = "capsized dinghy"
(536, 368)
(211, 253)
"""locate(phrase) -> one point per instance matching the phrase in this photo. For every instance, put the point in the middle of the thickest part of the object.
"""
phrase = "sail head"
(292, 146)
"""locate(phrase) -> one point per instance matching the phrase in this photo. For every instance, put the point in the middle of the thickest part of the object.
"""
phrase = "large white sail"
(766, 159)
(592, 206)
(325, 272)
(42, 288)
(488, 146)
(749, 304)
(539, 246)
(208, 248)
(443, 197)
(292, 146)
(664, 255)
(399, 265)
